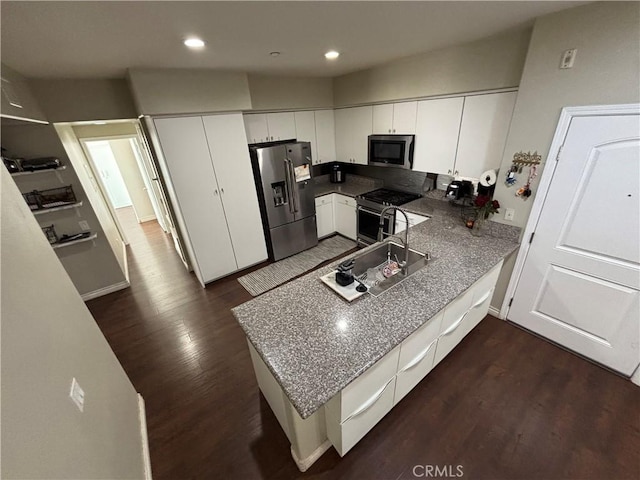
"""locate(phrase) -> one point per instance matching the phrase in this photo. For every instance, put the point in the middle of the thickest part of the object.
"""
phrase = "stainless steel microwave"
(391, 151)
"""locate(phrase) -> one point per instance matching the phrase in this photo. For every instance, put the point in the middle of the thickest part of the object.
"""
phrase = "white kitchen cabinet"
(345, 215)
(401, 224)
(269, 127)
(210, 174)
(353, 127)
(437, 131)
(395, 118)
(324, 215)
(325, 136)
(483, 132)
(306, 131)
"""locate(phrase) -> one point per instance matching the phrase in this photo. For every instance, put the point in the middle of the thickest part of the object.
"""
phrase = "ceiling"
(101, 39)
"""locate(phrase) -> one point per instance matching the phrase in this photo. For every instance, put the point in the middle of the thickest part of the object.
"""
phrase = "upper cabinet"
(269, 127)
(437, 131)
(483, 132)
(353, 127)
(318, 128)
(462, 136)
(395, 118)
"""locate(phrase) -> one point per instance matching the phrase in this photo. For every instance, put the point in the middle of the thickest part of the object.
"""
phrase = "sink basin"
(373, 261)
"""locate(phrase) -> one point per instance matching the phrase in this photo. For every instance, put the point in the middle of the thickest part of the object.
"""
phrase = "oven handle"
(373, 212)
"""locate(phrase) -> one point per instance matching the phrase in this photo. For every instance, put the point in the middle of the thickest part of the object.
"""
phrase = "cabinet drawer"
(345, 434)
(415, 343)
(478, 310)
(486, 283)
(451, 331)
(324, 200)
(345, 200)
(415, 370)
(363, 388)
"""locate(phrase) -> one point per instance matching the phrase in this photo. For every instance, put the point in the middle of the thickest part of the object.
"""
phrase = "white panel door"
(483, 133)
(325, 136)
(404, 118)
(256, 128)
(186, 152)
(345, 218)
(437, 131)
(306, 131)
(232, 165)
(580, 283)
(383, 119)
(282, 126)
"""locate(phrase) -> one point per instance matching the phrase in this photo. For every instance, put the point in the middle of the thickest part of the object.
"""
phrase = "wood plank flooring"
(504, 405)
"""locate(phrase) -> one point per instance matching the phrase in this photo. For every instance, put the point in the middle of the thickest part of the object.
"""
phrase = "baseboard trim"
(635, 377)
(105, 291)
(146, 459)
(305, 463)
(148, 218)
(495, 312)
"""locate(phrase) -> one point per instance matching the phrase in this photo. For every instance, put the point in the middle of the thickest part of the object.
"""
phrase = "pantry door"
(580, 282)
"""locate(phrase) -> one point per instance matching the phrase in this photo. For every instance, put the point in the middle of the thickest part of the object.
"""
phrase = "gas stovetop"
(386, 196)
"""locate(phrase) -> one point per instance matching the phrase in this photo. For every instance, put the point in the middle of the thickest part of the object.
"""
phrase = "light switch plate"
(509, 213)
(568, 57)
(77, 394)
(84, 225)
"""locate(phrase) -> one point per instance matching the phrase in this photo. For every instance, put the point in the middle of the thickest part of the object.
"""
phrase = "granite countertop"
(353, 186)
(315, 343)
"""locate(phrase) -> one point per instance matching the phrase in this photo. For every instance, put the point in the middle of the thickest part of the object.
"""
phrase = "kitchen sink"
(369, 266)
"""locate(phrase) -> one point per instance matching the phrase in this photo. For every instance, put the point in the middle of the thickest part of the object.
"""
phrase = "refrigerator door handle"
(287, 181)
(293, 191)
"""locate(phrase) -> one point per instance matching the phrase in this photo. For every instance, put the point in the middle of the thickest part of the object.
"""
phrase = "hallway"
(504, 405)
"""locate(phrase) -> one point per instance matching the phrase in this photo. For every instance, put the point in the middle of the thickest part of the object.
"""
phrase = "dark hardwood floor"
(504, 405)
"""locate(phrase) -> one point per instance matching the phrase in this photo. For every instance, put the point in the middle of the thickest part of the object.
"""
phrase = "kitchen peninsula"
(331, 370)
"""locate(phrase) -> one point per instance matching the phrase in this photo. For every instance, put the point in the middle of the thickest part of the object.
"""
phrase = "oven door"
(368, 222)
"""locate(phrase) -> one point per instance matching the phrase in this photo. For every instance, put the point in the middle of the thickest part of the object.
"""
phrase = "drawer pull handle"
(369, 403)
(455, 325)
(482, 300)
(418, 357)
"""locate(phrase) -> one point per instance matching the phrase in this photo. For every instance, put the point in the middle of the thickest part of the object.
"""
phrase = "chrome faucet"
(403, 264)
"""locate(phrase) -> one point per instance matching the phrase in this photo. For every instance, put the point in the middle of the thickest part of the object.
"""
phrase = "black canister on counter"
(337, 173)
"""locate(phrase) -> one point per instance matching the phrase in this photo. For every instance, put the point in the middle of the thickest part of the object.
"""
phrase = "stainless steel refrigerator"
(285, 190)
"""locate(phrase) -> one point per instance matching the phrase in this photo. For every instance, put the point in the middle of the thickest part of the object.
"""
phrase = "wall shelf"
(91, 237)
(35, 172)
(56, 209)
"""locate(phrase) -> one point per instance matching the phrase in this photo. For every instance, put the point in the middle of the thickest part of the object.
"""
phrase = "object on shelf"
(77, 236)
(36, 172)
(51, 198)
(12, 164)
(85, 237)
(43, 163)
(50, 233)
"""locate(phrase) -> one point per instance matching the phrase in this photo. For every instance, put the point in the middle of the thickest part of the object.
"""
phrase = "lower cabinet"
(324, 215)
(345, 215)
(401, 223)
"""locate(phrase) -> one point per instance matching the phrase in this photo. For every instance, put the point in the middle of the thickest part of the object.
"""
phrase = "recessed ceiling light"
(194, 42)
(331, 55)
(274, 54)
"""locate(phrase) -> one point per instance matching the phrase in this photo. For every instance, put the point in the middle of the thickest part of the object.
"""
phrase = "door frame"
(564, 123)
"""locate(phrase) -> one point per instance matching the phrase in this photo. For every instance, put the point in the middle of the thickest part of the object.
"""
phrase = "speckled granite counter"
(315, 343)
(353, 186)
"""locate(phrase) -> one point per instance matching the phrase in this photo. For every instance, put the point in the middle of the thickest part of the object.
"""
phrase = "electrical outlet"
(84, 225)
(568, 57)
(509, 214)
(77, 394)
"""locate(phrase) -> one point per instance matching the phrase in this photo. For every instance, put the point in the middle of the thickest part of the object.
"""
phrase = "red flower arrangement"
(485, 206)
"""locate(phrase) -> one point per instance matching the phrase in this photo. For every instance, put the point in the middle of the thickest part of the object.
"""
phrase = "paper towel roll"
(488, 178)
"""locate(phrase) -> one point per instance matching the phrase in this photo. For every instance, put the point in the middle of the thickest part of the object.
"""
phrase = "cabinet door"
(404, 118)
(256, 127)
(345, 216)
(324, 219)
(282, 126)
(437, 131)
(232, 165)
(325, 136)
(353, 127)
(186, 153)
(401, 224)
(306, 131)
(483, 133)
(383, 119)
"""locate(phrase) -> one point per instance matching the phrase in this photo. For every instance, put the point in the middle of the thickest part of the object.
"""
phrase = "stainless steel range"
(369, 209)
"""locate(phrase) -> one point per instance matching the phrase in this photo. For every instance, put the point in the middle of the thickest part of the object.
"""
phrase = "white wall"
(30, 107)
(490, 63)
(178, 91)
(48, 337)
(74, 100)
(271, 92)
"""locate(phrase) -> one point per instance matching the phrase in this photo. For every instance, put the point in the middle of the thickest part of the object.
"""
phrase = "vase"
(479, 227)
